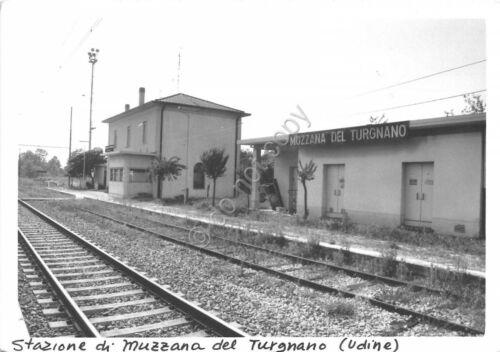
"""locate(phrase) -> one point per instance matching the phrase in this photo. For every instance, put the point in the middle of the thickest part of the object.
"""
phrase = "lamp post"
(92, 59)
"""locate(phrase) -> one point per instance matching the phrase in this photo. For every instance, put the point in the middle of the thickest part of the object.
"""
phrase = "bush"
(203, 205)
(389, 262)
(280, 240)
(312, 249)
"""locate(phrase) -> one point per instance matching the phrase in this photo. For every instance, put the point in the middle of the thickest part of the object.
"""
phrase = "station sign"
(352, 135)
(109, 148)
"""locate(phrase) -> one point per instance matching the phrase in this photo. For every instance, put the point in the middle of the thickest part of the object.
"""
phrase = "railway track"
(302, 271)
(88, 293)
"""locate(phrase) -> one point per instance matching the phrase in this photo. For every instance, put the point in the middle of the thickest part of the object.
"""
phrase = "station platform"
(446, 259)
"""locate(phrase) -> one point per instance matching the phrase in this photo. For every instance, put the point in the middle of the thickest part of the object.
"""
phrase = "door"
(292, 189)
(334, 189)
(418, 186)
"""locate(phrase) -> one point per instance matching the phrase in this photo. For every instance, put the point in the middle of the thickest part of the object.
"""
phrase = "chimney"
(142, 91)
(127, 107)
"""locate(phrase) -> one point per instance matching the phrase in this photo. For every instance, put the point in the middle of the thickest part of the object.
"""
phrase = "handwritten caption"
(151, 345)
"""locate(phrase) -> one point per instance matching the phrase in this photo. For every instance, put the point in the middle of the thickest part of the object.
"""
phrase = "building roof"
(180, 99)
(129, 152)
(188, 100)
(423, 124)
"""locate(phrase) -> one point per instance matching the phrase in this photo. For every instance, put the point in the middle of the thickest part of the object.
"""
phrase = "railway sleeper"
(147, 327)
(103, 307)
(128, 316)
(108, 295)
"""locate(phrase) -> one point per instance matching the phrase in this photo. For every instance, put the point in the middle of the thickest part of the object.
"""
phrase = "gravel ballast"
(441, 306)
(262, 304)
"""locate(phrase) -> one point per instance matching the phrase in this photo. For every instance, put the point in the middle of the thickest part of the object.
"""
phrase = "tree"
(167, 169)
(91, 158)
(266, 166)
(54, 167)
(376, 120)
(306, 173)
(474, 104)
(214, 165)
(266, 169)
(31, 163)
(41, 154)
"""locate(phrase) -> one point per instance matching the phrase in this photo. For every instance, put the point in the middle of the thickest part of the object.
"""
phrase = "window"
(139, 175)
(198, 177)
(128, 136)
(116, 174)
(115, 138)
(144, 131)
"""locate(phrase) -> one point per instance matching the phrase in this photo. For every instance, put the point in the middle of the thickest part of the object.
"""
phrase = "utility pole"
(92, 59)
(84, 177)
(69, 153)
(179, 71)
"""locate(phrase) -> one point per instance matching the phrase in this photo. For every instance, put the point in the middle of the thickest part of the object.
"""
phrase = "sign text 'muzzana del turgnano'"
(350, 135)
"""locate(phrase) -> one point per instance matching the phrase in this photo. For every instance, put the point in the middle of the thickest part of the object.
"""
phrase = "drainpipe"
(482, 206)
(186, 184)
(236, 153)
(161, 145)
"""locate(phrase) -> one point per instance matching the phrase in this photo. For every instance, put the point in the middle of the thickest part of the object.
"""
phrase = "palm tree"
(166, 169)
(306, 173)
(214, 165)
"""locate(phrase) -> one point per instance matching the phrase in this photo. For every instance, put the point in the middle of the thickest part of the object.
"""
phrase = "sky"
(264, 59)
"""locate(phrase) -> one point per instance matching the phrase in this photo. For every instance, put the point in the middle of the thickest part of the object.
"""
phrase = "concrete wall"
(151, 116)
(187, 134)
(125, 188)
(285, 160)
(374, 179)
(99, 175)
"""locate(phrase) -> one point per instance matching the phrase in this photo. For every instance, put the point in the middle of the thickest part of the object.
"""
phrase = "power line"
(418, 79)
(40, 146)
(80, 43)
(419, 103)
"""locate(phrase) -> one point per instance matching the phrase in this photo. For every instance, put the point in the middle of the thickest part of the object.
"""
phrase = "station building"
(179, 125)
(422, 173)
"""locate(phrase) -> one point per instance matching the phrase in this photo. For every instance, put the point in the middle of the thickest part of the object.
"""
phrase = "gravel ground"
(262, 304)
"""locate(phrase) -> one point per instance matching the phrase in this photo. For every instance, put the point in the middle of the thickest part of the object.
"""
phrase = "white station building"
(422, 173)
(179, 125)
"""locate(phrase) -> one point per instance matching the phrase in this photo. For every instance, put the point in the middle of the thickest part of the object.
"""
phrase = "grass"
(29, 187)
(311, 249)
(395, 235)
(424, 238)
(399, 294)
(457, 283)
(339, 308)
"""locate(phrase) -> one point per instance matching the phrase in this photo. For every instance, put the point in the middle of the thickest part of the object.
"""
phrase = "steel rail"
(413, 267)
(308, 283)
(69, 304)
(199, 315)
(302, 260)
